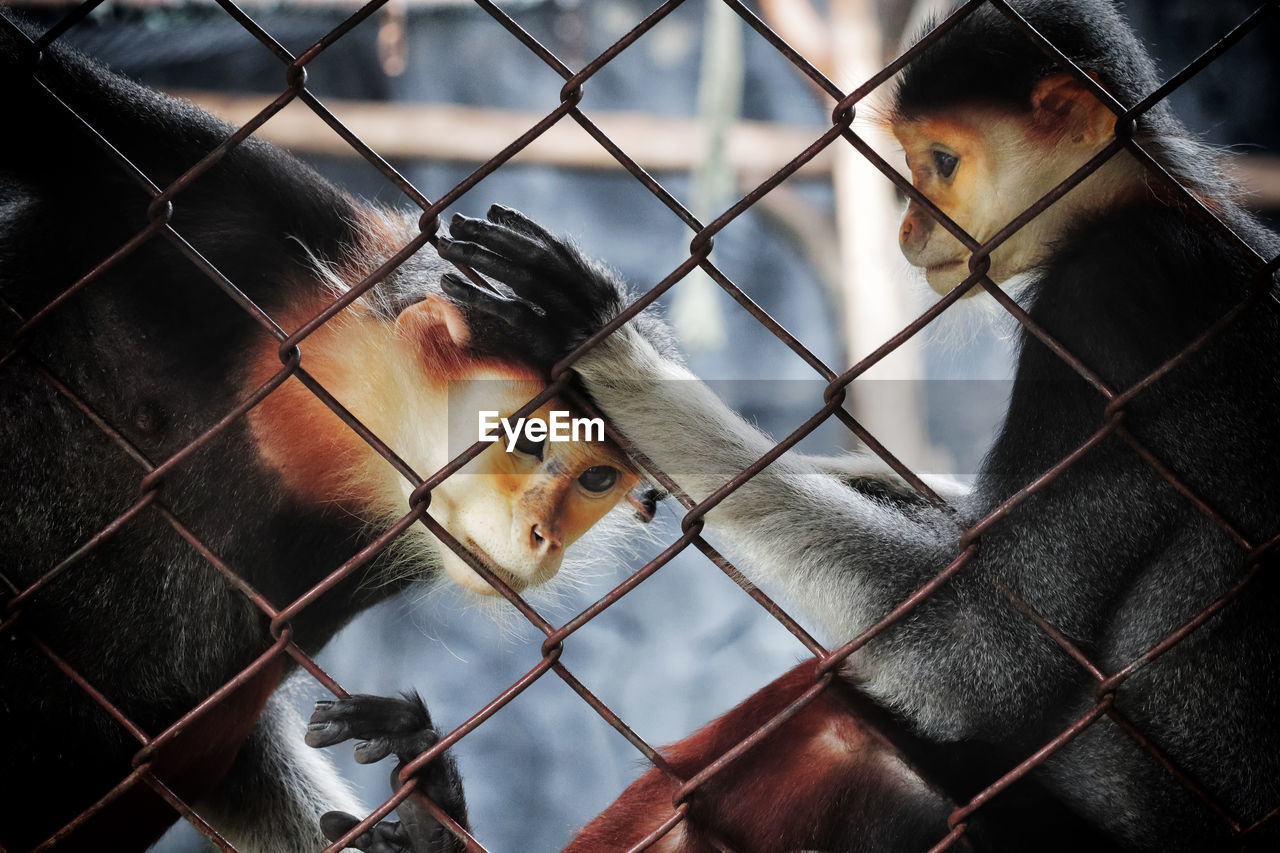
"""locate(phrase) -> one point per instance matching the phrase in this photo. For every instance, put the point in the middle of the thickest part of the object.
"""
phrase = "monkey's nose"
(544, 539)
(905, 234)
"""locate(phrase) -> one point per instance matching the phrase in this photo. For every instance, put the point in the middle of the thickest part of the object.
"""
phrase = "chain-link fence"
(279, 645)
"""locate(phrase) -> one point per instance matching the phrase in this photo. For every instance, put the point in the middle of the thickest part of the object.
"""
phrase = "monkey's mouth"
(461, 572)
(945, 277)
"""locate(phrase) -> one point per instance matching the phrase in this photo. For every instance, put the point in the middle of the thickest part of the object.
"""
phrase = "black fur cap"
(988, 59)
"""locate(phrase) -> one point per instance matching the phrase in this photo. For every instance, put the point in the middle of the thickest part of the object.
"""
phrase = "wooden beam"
(877, 305)
(658, 143)
(1259, 176)
(474, 134)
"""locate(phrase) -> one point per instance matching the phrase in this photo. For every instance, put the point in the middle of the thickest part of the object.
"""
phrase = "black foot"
(402, 727)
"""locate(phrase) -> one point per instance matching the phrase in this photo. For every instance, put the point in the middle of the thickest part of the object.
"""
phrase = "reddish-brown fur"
(808, 785)
(300, 436)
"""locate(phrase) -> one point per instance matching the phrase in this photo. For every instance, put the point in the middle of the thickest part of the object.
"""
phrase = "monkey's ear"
(644, 497)
(434, 319)
(1062, 103)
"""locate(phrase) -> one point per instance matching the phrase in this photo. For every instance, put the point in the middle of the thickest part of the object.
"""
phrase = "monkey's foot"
(402, 727)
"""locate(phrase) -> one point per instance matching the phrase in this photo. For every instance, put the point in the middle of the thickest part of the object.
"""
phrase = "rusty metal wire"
(165, 200)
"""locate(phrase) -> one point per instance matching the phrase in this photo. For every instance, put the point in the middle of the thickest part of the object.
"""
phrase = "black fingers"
(514, 273)
(334, 825)
(501, 326)
(570, 284)
(544, 270)
(416, 834)
(402, 726)
(382, 724)
(384, 837)
(505, 242)
(559, 298)
(514, 312)
(517, 221)
(559, 257)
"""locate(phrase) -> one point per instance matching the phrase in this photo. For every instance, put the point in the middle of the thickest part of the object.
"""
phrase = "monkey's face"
(983, 167)
(413, 384)
(526, 497)
(980, 171)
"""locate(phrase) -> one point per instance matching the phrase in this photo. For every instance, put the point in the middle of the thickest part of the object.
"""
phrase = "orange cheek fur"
(298, 435)
(582, 512)
(368, 366)
(954, 199)
(362, 362)
(556, 500)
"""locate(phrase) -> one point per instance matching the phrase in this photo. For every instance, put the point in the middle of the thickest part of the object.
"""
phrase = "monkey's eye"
(599, 478)
(528, 447)
(945, 163)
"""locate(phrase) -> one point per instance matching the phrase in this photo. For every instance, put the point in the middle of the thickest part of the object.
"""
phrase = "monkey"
(106, 391)
(858, 760)
(1157, 508)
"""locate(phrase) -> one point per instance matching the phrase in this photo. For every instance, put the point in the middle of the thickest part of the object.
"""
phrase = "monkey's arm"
(867, 473)
(793, 519)
(840, 548)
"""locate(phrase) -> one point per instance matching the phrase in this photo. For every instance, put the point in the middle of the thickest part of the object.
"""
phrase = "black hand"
(558, 297)
(384, 837)
(399, 726)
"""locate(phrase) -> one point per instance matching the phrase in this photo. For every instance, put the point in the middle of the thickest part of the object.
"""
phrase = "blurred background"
(710, 109)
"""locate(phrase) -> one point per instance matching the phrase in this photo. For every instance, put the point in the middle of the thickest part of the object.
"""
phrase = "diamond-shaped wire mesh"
(166, 205)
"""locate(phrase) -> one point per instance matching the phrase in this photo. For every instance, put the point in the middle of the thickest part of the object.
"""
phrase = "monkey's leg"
(277, 789)
(823, 781)
(384, 726)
